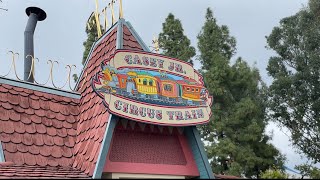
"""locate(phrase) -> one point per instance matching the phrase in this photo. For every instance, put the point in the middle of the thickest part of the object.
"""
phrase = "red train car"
(190, 90)
(122, 78)
(167, 89)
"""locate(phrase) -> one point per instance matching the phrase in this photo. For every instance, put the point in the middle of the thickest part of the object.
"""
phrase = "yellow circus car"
(146, 84)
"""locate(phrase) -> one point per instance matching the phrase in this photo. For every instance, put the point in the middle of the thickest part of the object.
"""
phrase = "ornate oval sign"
(152, 88)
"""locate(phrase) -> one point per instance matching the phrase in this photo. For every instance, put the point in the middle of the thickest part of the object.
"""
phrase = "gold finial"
(13, 64)
(32, 72)
(120, 10)
(112, 11)
(106, 24)
(97, 22)
(69, 67)
(155, 43)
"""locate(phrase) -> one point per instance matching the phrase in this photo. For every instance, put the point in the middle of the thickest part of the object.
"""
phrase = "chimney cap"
(39, 12)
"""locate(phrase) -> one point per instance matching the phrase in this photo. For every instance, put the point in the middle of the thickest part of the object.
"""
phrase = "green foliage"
(75, 77)
(295, 90)
(274, 174)
(307, 170)
(214, 41)
(173, 42)
(237, 143)
(92, 34)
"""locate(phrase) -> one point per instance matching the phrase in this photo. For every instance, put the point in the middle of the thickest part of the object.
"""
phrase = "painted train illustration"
(152, 87)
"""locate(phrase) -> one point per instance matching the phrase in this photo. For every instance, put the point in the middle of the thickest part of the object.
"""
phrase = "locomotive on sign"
(152, 87)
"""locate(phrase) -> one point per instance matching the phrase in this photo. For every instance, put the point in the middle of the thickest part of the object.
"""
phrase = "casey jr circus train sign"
(152, 88)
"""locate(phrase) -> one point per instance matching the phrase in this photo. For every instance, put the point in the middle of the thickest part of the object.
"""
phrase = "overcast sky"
(61, 35)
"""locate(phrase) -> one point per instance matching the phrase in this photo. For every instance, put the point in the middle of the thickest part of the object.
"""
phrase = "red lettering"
(170, 114)
(187, 115)
(179, 115)
(134, 110)
(117, 104)
(145, 61)
(159, 114)
(150, 113)
(153, 62)
(142, 111)
(128, 59)
(125, 107)
(160, 63)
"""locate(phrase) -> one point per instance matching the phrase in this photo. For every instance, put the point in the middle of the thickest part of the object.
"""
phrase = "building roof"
(57, 130)
(9, 170)
(45, 132)
(37, 128)
(93, 114)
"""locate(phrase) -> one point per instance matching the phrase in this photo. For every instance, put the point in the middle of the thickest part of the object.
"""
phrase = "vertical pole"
(35, 14)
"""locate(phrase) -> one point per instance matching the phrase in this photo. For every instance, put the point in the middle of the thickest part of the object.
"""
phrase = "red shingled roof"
(129, 41)
(37, 128)
(93, 114)
(47, 135)
(39, 172)
(93, 121)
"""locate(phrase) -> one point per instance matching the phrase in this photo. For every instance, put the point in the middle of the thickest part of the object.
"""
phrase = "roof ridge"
(38, 87)
(91, 51)
(136, 36)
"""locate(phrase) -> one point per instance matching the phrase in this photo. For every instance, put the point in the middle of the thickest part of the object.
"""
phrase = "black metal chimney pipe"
(35, 14)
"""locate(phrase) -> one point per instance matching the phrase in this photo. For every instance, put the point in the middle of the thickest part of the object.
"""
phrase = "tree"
(274, 174)
(173, 42)
(214, 41)
(295, 91)
(307, 170)
(237, 144)
(92, 35)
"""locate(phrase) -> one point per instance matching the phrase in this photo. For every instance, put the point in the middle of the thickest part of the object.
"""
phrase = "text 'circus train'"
(152, 88)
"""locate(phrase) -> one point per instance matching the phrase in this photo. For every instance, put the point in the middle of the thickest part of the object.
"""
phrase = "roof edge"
(36, 87)
(91, 50)
(105, 146)
(119, 41)
(136, 35)
(199, 153)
